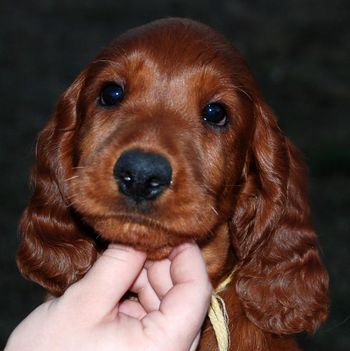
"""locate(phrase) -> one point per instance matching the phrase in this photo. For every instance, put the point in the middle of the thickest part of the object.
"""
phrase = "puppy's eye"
(215, 114)
(111, 94)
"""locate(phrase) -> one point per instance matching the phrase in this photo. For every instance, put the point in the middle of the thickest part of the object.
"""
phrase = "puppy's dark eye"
(111, 94)
(215, 114)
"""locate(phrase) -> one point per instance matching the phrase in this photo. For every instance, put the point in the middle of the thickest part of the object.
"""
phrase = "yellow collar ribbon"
(218, 315)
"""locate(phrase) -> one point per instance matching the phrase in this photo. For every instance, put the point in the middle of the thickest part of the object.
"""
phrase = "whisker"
(71, 197)
(214, 210)
(208, 189)
(104, 61)
(71, 178)
(71, 204)
(111, 62)
(240, 89)
(245, 93)
(211, 232)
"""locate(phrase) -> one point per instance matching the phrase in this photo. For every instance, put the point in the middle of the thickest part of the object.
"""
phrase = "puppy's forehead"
(169, 54)
(172, 45)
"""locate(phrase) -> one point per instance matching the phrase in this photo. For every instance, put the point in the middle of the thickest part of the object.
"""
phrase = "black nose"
(142, 175)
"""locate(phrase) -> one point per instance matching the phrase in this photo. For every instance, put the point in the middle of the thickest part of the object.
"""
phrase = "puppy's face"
(164, 125)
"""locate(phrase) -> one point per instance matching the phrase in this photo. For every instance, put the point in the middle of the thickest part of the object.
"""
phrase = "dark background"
(299, 53)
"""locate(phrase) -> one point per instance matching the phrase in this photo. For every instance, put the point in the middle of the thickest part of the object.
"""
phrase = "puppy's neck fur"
(218, 254)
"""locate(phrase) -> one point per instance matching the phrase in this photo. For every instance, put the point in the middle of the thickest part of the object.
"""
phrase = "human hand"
(173, 298)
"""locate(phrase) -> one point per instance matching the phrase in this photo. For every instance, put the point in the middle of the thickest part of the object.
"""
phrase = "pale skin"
(173, 298)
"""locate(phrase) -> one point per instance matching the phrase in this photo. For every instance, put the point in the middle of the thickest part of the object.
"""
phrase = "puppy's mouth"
(140, 232)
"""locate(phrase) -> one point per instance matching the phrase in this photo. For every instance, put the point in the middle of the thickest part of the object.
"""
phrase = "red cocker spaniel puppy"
(164, 138)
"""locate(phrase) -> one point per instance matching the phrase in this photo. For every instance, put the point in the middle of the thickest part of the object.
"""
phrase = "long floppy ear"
(54, 251)
(281, 282)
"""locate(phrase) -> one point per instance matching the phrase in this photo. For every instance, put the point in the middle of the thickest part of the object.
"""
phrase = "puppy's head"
(163, 127)
(162, 139)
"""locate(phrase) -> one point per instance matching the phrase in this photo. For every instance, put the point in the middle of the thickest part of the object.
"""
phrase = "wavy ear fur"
(54, 251)
(281, 283)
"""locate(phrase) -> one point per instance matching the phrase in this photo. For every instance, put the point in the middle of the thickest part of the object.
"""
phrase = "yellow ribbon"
(218, 315)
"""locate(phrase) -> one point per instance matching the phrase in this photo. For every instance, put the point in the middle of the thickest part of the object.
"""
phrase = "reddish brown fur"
(238, 191)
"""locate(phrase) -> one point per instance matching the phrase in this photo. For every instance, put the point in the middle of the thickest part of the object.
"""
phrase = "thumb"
(110, 277)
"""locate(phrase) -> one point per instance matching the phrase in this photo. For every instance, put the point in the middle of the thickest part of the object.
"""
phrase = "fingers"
(153, 283)
(158, 273)
(109, 278)
(184, 307)
(195, 342)
(191, 282)
(146, 294)
(132, 308)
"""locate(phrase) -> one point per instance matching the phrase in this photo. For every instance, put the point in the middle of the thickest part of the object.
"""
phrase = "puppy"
(165, 138)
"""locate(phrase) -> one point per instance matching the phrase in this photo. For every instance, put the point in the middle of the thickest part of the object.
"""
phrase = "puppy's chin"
(159, 254)
(156, 241)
